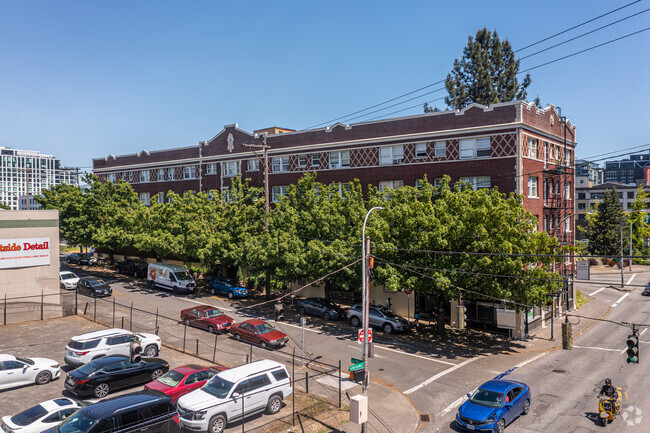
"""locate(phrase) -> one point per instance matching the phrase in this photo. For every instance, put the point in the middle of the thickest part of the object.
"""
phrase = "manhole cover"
(424, 418)
(558, 370)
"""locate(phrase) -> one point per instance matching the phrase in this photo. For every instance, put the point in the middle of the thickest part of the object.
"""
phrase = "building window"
(253, 165)
(230, 168)
(477, 182)
(161, 197)
(545, 223)
(144, 198)
(225, 194)
(532, 147)
(567, 190)
(161, 174)
(630, 194)
(391, 155)
(532, 187)
(392, 184)
(315, 160)
(581, 196)
(344, 189)
(437, 182)
(144, 175)
(110, 177)
(280, 164)
(302, 161)
(567, 225)
(340, 159)
(475, 148)
(189, 172)
(582, 206)
(277, 192)
(211, 169)
(170, 174)
(130, 175)
(420, 150)
(440, 149)
(418, 183)
(567, 157)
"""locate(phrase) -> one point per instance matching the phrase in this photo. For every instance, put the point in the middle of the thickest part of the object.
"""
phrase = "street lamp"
(365, 283)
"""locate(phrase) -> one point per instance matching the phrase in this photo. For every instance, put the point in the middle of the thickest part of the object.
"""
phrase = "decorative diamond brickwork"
(409, 153)
(364, 157)
(452, 149)
(506, 144)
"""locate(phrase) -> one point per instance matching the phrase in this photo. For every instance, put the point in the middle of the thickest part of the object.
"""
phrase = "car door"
(246, 332)
(196, 380)
(376, 318)
(136, 373)
(257, 394)
(114, 374)
(509, 407)
(18, 373)
(317, 308)
(200, 320)
(118, 345)
(58, 417)
(5, 377)
(518, 400)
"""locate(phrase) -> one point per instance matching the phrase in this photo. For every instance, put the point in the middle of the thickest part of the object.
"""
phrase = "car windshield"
(172, 378)
(183, 275)
(89, 368)
(388, 313)
(215, 312)
(25, 360)
(218, 387)
(264, 328)
(486, 398)
(95, 283)
(67, 276)
(76, 423)
(29, 416)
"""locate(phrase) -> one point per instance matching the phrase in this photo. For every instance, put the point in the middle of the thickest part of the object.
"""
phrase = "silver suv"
(379, 317)
(109, 342)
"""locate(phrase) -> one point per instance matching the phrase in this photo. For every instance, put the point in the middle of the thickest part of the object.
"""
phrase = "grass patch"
(581, 299)
(68, 249)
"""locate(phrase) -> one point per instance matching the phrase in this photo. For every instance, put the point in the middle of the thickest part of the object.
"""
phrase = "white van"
(262, 384)
(170, 277)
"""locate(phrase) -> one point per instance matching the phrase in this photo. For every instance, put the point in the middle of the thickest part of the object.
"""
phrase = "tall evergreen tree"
(603, 227)
(486, 74)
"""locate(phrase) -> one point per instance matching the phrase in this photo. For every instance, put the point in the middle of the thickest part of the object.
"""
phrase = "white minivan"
(171, 277)
(261, 384)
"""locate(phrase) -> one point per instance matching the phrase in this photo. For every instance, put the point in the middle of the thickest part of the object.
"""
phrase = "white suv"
(86, 347)
(262, 384)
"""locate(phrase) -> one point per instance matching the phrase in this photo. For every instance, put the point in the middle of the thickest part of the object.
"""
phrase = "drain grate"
(558, 370)
(425, 417)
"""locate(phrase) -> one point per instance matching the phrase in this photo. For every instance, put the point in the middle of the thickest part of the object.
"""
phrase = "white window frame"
(111, 177)
(230, 168)
(211, 168)
(567, 190)
(420, 150)
(314, 160)
(170, 173)
(278, 191)
(340, 159)
(533, 186)
(253, 165)
(389, 184)
(440, 149)
(389, 155)
(567, 157)
(161, 198)
(437, 182)
(225, 194)
(144, 176)
(189, 172)
(477, 182)
(280, 164)
(302, 161)
(161, 174)
(144, 198)
(532, 147)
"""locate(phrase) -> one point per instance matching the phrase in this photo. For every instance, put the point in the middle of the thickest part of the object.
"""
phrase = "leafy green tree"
(486, 74)
(74, 224)
(639, 219)
(603, 226)
(4, 206)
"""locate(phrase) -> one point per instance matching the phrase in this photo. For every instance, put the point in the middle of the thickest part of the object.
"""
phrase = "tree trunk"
(268, 284)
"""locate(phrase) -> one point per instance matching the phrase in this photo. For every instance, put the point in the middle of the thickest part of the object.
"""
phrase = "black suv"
(137, 268)
(133, 412)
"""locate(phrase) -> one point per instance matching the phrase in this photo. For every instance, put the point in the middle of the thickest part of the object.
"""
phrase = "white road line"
(415, 356)
(642, 332)
(528, 361)
(359, 348)
(439, 375)
(596, 348)
(620, 300)
(630, 280)
(593, 293)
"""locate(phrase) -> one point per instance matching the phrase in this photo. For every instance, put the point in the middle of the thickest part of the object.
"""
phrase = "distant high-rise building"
(629, 171)
(22, 169)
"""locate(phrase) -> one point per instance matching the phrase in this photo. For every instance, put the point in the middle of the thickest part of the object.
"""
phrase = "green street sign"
(356, 367)
(355, 360)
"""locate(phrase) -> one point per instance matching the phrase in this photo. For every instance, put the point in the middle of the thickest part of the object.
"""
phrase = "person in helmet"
(610, 391)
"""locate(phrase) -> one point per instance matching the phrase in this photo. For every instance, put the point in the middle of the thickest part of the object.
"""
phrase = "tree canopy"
(604, 225)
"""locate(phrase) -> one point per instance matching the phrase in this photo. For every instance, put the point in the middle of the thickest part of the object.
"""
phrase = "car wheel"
(274, 405)
(237, 337)
(501, 427)
(212, 291)
(152, 285)
(301, 311)
(263, 344)
(604, 421)
(526, 408)
(210, 329)
(101, 390)
(150, 351)
(43, 377)
(217, 424)
(135, 274)
(156, 374)
(62, 287)
(388, 328)
(326, 316)
(354, 321)
(231, 295)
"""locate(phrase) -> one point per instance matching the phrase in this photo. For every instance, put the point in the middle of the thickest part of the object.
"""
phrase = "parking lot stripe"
(630, 280)
(439, 375)
(620, 299)
(596, 348)
(440, 361)
(205, 303)
(599, 290)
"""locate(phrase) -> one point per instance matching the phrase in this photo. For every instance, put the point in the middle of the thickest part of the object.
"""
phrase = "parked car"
(646, 290)
(262, 384)
(108, 342)
(379, 317)
(98, 261)
(68, 280)
(133, 412)
(83, 259)
(320, 307)
(494, 405)
(229, 287)
(171, 277)
(102, 375)
(260, 332)
(72, 258)
(16, 371)
(93, 287)
(41, 417)
(184, 379)
(133, 267)
(207, 317)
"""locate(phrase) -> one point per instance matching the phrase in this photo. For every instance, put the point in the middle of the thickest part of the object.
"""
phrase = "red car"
(260, 332)
(184, 379)
(208, 317)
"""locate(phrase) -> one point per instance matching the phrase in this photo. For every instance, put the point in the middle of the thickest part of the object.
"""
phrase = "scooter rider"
(610, 391)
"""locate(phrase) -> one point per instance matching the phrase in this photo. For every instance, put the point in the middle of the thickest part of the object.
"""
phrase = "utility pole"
(265, 163)
(630, 246)
(622, 278)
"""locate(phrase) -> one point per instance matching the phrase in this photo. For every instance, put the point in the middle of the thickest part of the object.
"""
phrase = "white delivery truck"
(171, 277)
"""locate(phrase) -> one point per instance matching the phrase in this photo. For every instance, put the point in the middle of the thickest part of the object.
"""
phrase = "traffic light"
(462, 316)
(632, 349)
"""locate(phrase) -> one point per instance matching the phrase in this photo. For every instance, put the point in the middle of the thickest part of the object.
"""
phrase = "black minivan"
(137, 411)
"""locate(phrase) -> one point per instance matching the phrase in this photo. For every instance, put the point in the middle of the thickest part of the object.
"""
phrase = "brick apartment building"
(513, 146)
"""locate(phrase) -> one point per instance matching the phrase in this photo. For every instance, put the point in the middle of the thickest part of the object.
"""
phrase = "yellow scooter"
(608, 408)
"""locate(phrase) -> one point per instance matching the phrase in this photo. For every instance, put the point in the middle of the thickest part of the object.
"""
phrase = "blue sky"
(84, 79)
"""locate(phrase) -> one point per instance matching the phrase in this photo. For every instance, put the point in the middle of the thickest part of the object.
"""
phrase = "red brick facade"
(508, 159)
